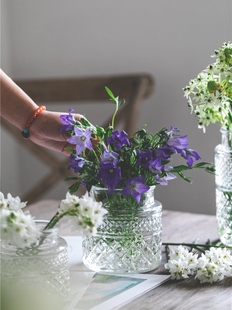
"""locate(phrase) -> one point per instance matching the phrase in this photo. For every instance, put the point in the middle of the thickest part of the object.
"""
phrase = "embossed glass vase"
(223, 179)
(39, 270)
(130, 238)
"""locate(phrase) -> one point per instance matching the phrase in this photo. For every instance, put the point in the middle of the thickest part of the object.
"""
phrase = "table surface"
(173, 294)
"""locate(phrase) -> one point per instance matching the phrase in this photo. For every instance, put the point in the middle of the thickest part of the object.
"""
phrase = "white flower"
(178, 269)
(86, 213)
(89, 207)
(214, 265)
(178, 252)
(13, 203)
(208, 271)
(3, 202)
(18, 228)
(91, 214)
(211, 91)
(71, 202)
(221, 255)
(182, 263)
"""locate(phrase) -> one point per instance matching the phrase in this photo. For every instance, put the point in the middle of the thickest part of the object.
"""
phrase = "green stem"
(115, 112)
(55, 219)
(220, 78)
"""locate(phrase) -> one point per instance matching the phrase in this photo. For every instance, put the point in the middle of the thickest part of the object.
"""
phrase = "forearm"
(16, 105)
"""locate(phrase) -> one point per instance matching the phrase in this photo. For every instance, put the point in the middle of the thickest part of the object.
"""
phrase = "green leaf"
(74, 187)
(69, 149)
(85, 122)
(92, 155)
(210, 169)
(122, 102)
(180, 168)
(108, 132)
(100, 132)
(111, 95)
(184, 177)
(212, 86)
(228, 54)
(71, 178)
(203, 163)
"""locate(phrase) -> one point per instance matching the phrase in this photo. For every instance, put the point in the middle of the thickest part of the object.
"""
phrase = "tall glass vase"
(35, 274)
(223, 179)
(130, 238)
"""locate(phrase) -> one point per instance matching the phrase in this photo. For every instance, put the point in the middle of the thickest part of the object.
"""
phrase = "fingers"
(64, 151)
(64, 136)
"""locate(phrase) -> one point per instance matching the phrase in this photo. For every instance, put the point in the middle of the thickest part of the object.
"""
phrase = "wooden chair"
(133, 88)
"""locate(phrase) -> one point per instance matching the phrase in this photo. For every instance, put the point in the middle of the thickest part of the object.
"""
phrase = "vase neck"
(117, 199)
(226, 138)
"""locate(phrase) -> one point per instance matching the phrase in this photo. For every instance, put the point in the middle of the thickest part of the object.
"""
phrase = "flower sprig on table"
(110, 159)
(19, 228)
(208, 266)
(209, 95)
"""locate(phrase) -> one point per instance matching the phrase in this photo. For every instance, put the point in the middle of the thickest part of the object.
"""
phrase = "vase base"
(123, 270)
(114, 263)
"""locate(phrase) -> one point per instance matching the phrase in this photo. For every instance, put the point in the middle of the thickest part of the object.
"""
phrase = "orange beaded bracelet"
(25, 132)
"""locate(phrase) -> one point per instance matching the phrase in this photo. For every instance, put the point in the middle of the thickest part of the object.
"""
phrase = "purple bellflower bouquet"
(108, 158)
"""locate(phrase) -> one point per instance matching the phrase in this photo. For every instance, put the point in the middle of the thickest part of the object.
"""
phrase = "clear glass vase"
(130, 238)
(223, 180)
(39, 270)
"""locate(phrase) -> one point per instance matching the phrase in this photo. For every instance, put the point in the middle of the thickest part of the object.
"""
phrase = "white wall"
(172, 40)
(9, 163)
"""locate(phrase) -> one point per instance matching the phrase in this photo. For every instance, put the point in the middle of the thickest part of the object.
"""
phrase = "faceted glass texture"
(223, 180)
(130, 239)
(41, 267)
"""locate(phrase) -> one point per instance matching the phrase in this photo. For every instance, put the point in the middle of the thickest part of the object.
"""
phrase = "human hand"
(45, 132)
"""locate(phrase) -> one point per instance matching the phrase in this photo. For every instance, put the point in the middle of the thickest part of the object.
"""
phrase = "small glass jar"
(130, 238)
(42, 267)
(223, 180)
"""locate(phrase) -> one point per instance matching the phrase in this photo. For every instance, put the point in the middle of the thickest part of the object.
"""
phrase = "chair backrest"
(134, 88)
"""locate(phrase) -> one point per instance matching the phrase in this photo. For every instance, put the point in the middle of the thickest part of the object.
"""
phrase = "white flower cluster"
(85, 213)
(214, 265)
(212, 91)
(182, 263)
(18, 228)
(210, 267)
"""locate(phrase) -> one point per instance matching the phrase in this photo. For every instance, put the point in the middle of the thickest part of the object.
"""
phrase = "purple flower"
(158, 169)
(68, 120)
(172, 131)
(175, 145)
(111, 157)
(191, 156)
(110, 175)
(144, 157)
(135, 187)
(164, 152)
(155, 166)
(76, 163)
(164, 180)
(178, 143)
(118, 138)
(81, 139)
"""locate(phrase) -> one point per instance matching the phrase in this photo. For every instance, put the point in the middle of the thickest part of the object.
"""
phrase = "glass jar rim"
(118, 189)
